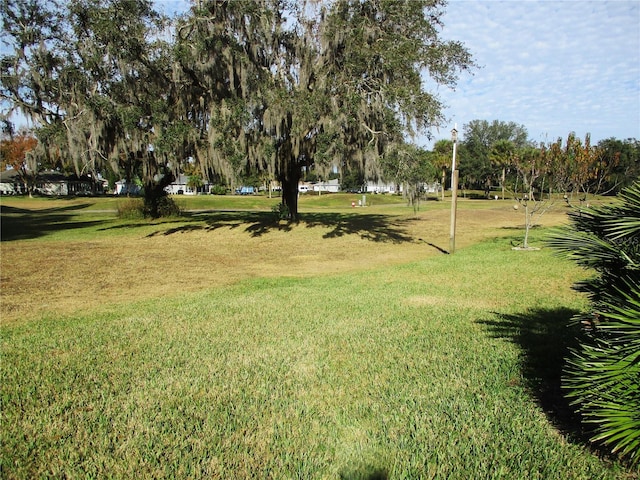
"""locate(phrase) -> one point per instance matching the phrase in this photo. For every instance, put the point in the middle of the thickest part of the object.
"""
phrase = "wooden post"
(454, 193)
(454, 207)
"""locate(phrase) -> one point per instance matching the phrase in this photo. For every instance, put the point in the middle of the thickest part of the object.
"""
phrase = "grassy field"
(225, 344)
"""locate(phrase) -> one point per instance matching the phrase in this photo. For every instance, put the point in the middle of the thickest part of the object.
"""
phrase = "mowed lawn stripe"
(392, 372)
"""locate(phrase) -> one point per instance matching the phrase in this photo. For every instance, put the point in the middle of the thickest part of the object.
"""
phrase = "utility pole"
(454, 192)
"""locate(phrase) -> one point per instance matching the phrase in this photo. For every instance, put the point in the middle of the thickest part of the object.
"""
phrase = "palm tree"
(441, 158)
(602, 376)
(502, 153)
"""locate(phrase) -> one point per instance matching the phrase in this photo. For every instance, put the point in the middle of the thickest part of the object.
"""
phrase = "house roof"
(11, 175)
(8, 175)
(52, 176)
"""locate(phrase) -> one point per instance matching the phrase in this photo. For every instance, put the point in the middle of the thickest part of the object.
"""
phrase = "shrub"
(602, 376)
(131, 208)
(166, 207)
(219, 190)
(281, 211)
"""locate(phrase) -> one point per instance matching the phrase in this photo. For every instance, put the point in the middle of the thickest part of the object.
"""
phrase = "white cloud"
(554, 66)
(173, 6)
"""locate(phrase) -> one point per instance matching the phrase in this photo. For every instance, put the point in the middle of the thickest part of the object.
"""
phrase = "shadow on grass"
(23, 224)
(364, 473)
(20, 224)
(545, 336)
(145, 223)
(376, 228)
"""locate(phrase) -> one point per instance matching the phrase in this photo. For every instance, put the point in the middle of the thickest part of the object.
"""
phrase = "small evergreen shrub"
(219, 190)
(281, 211)
(167, 207)
(602, 376)
(136, 208)
(131, 209)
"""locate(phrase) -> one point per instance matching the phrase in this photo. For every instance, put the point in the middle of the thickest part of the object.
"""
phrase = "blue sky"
(554, 66)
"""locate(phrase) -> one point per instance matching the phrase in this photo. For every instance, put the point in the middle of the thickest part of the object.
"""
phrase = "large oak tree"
(94, 76)
(284, 87)
(267, 85)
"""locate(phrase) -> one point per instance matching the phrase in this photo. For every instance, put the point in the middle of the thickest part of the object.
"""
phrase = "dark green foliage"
(479, 166)
(218, 190)
(164, 206)
(602, 376)
(136, 208)
(353, 180)
(622, 159)
(131, 208)
(281, 211)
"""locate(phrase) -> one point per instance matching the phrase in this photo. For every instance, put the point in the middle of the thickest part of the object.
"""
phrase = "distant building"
(10, 183)
(392, 188)
(180, 186)
(383, 187)
(52, 183)
(124, 188)
(330, 186)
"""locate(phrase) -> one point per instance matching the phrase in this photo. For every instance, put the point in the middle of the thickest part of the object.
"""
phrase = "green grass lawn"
(204, 202)
(447, 367)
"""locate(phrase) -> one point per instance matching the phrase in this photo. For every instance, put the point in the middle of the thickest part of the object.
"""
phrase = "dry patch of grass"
(407, 364)
(58, 277)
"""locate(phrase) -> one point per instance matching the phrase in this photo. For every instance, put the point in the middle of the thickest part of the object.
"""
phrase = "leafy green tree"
(480, 136)
(501, 156)
(262, 85)
(337, 84)
(410, 167)
(352, 180)
(223, 55)
(194, 182)
(602, 375)
(441, 158)
(94, 77)
(621, 159)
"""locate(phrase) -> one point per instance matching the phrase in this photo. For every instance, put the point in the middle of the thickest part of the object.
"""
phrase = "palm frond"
(602, 375)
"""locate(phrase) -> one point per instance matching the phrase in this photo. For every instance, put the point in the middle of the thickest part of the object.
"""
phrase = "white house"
(331, 186)
(433, 187)
(10, 183)
(383, 187)
(51, 183)
(180, 186)
(124, 188)
(389, 187)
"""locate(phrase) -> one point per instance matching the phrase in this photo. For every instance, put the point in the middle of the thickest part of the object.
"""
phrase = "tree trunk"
(153, 192)
(290, 197)
(503, 181)
(443, 179)
(290, 177)
(527, 225)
